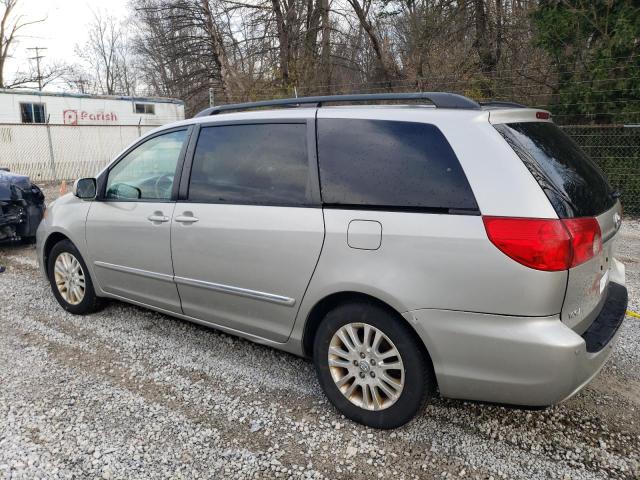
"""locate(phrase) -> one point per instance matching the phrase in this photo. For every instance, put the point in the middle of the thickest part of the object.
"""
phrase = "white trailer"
(53, 136)
(28, 106)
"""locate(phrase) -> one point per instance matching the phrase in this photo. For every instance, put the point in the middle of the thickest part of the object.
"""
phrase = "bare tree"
(107, 53)
(387, 64)
(488, 41)
(48, 73)
(77, 79)
(255, 49)
(11, 27)
(185, 49)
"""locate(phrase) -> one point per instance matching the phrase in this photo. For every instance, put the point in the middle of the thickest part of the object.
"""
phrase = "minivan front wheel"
(70, 280)
(371, 366)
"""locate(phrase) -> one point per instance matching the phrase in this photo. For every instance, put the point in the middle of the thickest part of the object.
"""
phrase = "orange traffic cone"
(63, 188)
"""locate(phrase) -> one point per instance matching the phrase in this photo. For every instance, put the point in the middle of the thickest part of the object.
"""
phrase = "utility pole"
(37, 58)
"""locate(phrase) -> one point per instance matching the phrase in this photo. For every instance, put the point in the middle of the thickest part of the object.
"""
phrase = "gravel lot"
(129, 393)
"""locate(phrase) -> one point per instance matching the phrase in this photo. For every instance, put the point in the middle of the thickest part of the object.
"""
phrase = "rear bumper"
(607, 323)
(533, 361)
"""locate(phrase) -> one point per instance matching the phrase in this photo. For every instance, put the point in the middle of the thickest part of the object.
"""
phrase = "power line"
(500, 76)
(468, 82)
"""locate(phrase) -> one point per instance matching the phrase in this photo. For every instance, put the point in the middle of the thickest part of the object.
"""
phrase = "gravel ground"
(129, 393)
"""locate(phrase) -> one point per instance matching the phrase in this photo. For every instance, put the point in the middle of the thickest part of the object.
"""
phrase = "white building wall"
(81, 143)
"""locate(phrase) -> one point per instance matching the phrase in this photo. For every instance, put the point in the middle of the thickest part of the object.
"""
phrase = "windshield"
(574, 184)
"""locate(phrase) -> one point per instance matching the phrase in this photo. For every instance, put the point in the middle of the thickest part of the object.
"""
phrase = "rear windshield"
(574, 184)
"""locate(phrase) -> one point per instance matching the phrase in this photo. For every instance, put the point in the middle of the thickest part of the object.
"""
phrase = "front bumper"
(533, 361)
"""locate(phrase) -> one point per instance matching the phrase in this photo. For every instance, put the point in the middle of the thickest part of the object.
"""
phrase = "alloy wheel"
(70, 278)
(366, 366)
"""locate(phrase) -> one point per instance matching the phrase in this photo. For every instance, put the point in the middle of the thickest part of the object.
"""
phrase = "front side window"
(251, 164)
(32, 113)
(148, 171)
(380, 163)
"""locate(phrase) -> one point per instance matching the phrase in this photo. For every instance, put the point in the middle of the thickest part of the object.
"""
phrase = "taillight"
(545, 244)
(586, 238)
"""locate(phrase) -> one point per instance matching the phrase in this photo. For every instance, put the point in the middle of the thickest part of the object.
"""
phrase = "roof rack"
(438, 99)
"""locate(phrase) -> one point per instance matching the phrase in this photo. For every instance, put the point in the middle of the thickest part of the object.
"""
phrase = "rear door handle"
(157, 217)
(186, 219)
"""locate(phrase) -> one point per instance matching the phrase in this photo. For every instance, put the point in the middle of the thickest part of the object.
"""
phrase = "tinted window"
(392, 164)
(254, 164)
(574, 184)
(147, 172)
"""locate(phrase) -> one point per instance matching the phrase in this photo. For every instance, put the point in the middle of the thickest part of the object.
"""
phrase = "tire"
(88, 302)
(416, 376)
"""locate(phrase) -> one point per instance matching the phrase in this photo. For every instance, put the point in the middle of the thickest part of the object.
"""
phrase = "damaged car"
(21, 207)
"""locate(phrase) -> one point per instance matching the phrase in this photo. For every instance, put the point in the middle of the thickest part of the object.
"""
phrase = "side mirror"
(85, 188)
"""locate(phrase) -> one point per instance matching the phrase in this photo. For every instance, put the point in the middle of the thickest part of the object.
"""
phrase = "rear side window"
(251, 164)
(574, 184)
(381, 163)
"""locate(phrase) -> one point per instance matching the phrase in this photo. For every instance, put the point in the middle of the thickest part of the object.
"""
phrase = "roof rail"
(438, 99)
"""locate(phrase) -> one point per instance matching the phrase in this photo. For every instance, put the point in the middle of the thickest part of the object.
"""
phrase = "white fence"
(55, 152)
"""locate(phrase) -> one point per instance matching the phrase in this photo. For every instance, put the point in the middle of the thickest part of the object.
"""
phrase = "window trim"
(474, 212)
(313, 197)
(399, 208)
(103, 177)
(33, 116)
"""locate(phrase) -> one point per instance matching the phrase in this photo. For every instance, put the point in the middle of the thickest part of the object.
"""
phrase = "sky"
(65, 26)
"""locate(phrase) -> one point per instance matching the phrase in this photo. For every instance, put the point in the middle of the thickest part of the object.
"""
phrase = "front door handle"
(158, 217)
(186, 218)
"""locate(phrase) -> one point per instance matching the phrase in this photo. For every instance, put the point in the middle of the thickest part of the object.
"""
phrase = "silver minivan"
(452, 247)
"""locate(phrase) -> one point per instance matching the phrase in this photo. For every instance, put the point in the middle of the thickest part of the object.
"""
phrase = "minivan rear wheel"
(70, 280)
(370, 365)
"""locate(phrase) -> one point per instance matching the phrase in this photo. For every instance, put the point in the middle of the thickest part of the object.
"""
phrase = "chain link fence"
(64, 152)
(616, 148)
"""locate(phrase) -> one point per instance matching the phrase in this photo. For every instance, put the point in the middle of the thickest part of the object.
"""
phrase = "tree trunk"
(326, 45)
(309, 65)
(283, 43)
(483, 44)
(388, 71)
(218, 52)
(5, 45)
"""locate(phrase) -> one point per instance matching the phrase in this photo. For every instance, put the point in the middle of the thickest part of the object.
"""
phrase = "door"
(247, 236)
(128, 229)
